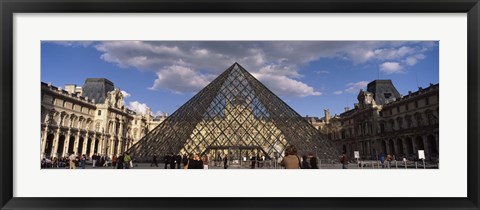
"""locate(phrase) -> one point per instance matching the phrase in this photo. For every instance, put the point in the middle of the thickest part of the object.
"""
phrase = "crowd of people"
(172, 161)
(73, 161)
(291, 160)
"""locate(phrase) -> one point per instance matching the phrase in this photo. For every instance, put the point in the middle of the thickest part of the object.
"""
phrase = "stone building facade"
(73, 123)
(384, 122)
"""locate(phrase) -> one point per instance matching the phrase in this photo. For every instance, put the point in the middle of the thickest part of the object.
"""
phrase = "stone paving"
(366, 164)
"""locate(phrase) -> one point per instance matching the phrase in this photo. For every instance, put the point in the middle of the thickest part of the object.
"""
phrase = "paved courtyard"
(271, 165)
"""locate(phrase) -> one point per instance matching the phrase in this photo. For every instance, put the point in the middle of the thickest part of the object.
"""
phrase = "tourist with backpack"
(291, 160)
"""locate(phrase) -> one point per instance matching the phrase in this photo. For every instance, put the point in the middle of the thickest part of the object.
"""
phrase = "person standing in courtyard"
(73, 161)
(154, 161)
(114, 161)
(382, 160)
(120, 160)
(185, 160)
(389, 160)
(106, 161)
(178, 160)
(225, 162)
(305, 162)
(195, 162)
(166, 160)
(173, 161)
(291, 160)
(253, 161)
(94, 160)
(127, 160)
(313, 162)
(258, 161)
(344, 160)
(205, 161)
(83, 160)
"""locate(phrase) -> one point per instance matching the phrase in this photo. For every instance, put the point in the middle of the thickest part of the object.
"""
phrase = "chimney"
(327, 115)
(347, 109)
(70, 88)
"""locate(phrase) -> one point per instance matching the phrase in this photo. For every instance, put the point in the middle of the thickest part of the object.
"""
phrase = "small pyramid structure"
(234, 115)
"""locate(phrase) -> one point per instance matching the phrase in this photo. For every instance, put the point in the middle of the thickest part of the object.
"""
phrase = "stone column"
(66, 143)
(94, 143)
(75, 146)
(101, 146)
(43, 141)
(121, 140)
(371, 147)
(120, 132)
(404, 146)
(426, 147)
(114, 128)
(91, 144)
(415, 149)
(112, 146)
(119, 145)
(85, 142)
(55, 143)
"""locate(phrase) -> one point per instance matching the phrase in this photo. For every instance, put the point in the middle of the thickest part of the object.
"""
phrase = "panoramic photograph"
(108, 105)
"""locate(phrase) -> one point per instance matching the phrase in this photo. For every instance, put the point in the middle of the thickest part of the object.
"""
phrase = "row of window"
(69, 105)
(392, 125)
(406, 107)
(408, 121)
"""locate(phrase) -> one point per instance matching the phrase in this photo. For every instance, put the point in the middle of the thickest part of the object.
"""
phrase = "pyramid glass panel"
(234, 115)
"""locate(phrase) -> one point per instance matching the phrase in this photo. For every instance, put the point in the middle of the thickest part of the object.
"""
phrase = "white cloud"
(125, 94)
(282, 70)
(391, 67)
(361, 55)
(355, 87)
(199, 62)
(338, 92)
(181, 79)
(138, 107)
(160, 113)
(412, 60)
(285, 86)
(393, 53)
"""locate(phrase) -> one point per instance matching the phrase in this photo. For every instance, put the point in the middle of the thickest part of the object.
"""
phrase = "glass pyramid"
(234, 115)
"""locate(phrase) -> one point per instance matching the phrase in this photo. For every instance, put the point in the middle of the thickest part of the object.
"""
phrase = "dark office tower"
(235, 115)
(97, 88)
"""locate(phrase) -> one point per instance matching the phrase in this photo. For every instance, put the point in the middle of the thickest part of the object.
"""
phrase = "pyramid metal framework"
(234, 115)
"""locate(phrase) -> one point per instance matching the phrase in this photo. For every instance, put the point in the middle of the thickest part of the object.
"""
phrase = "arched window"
(400, 122)
(419, 119)
(66, 121)
(135, 132)
(382, 127)
(391, 123)
(409, 121)
(431, 119)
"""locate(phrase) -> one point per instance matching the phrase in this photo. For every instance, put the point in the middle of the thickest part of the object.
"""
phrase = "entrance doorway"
(238, 156)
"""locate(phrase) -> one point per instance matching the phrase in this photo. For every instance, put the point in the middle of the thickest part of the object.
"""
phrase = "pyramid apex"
(236, 64)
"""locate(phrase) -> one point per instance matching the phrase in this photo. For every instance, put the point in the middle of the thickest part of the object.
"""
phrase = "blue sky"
(308, 75)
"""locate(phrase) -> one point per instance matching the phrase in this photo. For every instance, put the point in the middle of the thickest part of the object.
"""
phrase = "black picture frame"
(10, 7)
